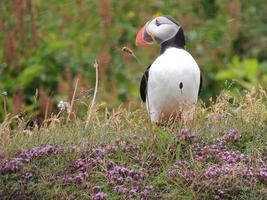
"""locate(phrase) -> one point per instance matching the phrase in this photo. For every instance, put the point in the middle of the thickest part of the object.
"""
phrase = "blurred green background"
(46, 45)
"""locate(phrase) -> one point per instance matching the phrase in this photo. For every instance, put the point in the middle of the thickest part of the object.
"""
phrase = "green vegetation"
(48, 44)
(221, 155)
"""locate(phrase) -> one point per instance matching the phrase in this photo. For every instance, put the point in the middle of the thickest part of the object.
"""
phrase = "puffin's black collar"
(177, 41)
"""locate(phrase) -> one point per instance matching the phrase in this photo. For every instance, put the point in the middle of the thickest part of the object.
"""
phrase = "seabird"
(174, 79)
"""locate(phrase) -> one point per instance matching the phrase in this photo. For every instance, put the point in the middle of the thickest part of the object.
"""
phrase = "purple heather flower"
(14, 164)
(111, 148)
(137, 177)
(27, 175)
(99, 151)
(11, 165)
(96, 189)
(182, 163)
(86, 164)
(130, 148)
(145, 194)
(121, 178)
(182, 135)
(219, 194)
(248, 173)
(78, 163)
(199, 158)
(231, 156)
(136, 159)
(80, 177)
(133, 192)
(180, 168)
(212, 171)
(99, 196)
(119, 189)
(232, 136)
(122, 190)
(87, 185)
(67, 179)
(39, 151)
(263, 174)
(125, 191)
(184, 131)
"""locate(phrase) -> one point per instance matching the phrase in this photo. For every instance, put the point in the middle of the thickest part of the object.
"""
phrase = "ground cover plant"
(221, 155)
(47, 45)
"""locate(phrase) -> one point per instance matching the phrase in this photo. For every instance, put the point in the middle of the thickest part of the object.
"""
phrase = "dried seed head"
(127, 50)
(64, 106)
(4, 93)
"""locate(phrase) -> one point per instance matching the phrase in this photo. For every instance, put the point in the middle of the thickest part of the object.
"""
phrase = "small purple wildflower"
(27, 175)
(133, 192)
(146, 193)
(67, 179)
(121, 178)
(14, 164)
(232, 136)
(39, 151)
(80, 177)
(184, 131)
(136, 159)
(85, 164)
(262, 174)
(87, 185)
(216, 171)
(96, 189)
(99, 196)
(11, 165)
(119, 189)
(99, 151)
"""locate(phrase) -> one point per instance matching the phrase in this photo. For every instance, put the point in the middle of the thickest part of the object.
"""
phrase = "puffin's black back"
(143, 84)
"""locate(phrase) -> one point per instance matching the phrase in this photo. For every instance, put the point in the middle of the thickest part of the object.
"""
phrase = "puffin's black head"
(163, 30)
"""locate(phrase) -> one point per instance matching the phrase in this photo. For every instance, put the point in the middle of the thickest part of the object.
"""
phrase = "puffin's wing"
(143, 85)
(200, 84)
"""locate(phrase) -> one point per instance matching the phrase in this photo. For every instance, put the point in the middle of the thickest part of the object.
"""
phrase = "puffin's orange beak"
(140, 37)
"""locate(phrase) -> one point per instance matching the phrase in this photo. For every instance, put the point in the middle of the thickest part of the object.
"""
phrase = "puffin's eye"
(157, 22)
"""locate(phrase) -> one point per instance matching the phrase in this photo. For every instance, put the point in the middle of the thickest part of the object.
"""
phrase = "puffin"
(173, 80)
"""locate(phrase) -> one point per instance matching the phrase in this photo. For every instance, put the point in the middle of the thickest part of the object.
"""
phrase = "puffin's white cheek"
(166, 32)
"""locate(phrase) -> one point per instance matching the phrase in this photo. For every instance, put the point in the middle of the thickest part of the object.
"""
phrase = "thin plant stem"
(5, 106)
(46, 111)
(90, 108)
(131, 52)
(73, 98)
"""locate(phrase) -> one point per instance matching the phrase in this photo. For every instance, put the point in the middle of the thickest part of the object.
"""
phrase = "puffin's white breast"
(174, 77)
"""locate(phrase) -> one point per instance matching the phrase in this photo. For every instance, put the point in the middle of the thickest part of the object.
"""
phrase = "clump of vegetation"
(222, 154)
(47, 45)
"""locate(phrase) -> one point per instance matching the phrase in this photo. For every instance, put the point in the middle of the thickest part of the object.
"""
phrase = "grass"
(221, 155)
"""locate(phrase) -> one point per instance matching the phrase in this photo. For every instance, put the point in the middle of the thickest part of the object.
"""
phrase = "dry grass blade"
(130, 52)
(4, 94)
(73, 98)
(89, 112)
